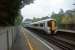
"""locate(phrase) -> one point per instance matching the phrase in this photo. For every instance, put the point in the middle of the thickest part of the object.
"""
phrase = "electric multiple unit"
(48, 25)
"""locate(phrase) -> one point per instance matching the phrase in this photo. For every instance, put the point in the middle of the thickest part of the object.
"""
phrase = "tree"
(10, 10)
(58, 17)
(18, 20)
(46, 17)
(61, 12)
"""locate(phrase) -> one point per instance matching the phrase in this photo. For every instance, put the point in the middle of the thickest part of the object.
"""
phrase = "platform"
(19, 43)
(27, 40)
(65, 30)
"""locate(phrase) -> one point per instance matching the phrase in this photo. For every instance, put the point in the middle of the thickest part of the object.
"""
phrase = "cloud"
(41, 8)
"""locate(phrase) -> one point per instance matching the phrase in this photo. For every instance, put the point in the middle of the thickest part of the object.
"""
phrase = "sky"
(42, 8)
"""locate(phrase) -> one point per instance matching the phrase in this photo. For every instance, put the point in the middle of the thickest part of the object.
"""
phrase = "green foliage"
(18, 20)
(10, 11)
(57, 17)
(64, 18)
(38, 19)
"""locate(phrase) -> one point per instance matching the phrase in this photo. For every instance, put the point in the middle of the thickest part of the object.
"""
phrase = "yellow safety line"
(31, 48)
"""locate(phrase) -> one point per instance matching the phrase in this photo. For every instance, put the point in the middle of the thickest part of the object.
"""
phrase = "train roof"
(41, 21)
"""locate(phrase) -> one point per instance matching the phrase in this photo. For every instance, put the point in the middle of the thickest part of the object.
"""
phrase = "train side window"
(35, 24)
(41, 24)
(49, 23)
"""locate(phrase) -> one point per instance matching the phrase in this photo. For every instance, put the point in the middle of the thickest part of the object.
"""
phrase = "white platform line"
(41, 41)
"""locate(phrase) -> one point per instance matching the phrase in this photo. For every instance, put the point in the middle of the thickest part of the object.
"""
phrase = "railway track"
(51, 39)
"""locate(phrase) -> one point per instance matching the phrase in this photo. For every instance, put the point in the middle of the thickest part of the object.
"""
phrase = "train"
(48, 25)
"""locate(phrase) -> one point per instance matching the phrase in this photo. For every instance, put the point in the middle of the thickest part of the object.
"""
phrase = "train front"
(52, 26)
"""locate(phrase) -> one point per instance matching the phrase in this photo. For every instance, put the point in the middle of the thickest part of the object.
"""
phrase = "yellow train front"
(48, 25)
(52, 25)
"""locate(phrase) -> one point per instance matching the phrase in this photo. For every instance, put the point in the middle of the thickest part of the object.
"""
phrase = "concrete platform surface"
(35, 42)
(19, 43)
(26, 40)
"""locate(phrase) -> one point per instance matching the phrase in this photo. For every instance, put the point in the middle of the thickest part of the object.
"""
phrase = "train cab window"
(52, 22)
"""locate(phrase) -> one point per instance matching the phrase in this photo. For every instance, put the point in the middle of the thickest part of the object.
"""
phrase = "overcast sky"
(41, 8)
